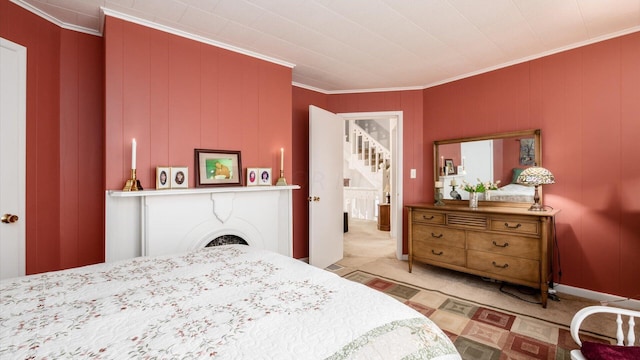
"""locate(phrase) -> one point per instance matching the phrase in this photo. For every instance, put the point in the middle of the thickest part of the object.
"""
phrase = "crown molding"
(54, 20)
(356, 91)
(184, 34)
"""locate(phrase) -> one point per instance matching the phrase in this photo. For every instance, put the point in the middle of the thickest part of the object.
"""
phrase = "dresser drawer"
(427, 217)
(509, 245)
(439, 235)
(425, 250)
(515, 226)
(513, 267)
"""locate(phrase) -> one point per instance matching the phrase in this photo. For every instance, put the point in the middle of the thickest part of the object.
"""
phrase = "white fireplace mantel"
(158, 222)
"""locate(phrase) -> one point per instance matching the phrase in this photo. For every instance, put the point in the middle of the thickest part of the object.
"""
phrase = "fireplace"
(226, 240)
(159, 222)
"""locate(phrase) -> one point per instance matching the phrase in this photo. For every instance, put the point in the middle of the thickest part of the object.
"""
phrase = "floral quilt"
(225, 302)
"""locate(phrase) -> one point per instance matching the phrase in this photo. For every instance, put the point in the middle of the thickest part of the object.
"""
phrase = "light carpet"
(374, 252)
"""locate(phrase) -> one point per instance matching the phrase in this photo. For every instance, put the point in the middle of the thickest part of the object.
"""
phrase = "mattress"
(225, 302)
(511, 192)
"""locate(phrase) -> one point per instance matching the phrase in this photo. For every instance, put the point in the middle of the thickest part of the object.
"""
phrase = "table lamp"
(536, 176)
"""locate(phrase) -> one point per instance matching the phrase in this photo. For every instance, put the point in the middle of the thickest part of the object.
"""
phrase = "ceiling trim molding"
(482, 71)
(356, 91)
(55, 20)
(184, 34)
(538, 56)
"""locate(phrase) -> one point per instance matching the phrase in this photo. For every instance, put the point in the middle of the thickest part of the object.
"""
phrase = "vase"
(473, 200)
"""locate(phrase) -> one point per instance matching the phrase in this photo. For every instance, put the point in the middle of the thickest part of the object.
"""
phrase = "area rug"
(480, 331)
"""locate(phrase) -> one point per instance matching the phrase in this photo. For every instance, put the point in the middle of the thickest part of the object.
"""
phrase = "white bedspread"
(227, 302)
(513, 192)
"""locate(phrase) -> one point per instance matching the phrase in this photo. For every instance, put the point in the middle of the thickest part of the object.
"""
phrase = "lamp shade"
(536, 175)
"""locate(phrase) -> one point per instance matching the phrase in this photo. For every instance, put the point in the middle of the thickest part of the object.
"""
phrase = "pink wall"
(587, 103)
(410, 102)
(64, 203)
(174, 95)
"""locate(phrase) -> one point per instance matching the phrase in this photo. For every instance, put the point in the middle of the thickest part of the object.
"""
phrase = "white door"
(13, 84)
(325, 187)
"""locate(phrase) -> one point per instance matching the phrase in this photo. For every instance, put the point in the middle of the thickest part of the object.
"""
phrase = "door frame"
(396, 168)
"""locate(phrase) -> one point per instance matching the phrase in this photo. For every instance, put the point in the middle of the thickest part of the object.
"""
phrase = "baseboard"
(603, 298)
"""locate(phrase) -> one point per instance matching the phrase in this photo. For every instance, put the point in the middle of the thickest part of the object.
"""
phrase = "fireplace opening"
(226, 240)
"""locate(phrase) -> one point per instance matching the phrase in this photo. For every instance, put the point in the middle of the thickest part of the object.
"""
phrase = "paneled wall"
(174, 95)
(587, 103)
(64, 203)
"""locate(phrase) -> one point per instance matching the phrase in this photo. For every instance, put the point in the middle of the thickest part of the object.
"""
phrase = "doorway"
(394, 121)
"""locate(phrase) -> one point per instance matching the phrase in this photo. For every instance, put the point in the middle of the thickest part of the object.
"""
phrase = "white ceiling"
(354, 45)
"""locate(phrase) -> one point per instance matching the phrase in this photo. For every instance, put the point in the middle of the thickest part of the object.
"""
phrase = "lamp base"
(537, 207)
(536, 201)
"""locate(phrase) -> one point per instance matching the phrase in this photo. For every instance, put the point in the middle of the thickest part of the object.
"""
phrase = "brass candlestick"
(132, 183)
(281, 180)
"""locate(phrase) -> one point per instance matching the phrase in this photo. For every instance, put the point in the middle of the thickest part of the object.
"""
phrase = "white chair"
(582, 314)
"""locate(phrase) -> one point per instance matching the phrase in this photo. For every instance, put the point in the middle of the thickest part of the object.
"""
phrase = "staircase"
(366, 155)
(367, 159)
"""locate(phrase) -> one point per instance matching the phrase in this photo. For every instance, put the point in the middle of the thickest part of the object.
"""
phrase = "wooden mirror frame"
(536, 134)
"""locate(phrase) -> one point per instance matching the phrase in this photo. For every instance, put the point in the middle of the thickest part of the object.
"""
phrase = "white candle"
(133, 154)
(438, 184)
(463, 163)
(281, 158)
(453, 182)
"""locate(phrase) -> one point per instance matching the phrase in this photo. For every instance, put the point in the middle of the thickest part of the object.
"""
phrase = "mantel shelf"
(221, 189)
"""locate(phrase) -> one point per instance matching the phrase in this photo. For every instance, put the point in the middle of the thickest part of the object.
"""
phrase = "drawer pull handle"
(435, 253)
(499, 266)
(436, 236)
(512, 227)
(502, 246)
(427, 218)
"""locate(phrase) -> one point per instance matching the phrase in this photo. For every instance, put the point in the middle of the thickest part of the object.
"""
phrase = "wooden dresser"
(508, 244)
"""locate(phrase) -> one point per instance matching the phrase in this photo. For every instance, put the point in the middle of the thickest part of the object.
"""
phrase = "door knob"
(9, 218)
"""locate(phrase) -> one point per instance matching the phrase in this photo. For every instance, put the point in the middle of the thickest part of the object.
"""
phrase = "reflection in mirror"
(495, 159)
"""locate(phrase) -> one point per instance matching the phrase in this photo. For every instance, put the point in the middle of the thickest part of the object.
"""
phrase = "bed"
(224, 302)
(512, 193)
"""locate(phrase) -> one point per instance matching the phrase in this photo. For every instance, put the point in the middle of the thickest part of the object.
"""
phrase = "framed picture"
(252, 176)
(449, 167)
(265, 176)
(179, 177)
(163, 175)
(527, 152)
(218, 168)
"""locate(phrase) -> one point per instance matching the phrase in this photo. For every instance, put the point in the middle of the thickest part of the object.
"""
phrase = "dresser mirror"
(491, 158)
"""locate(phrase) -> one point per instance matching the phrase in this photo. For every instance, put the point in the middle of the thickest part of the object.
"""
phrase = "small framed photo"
(449, 167)
(265, 176)
(252, 176)
(179, 177)
(218, 168)
(163, 175)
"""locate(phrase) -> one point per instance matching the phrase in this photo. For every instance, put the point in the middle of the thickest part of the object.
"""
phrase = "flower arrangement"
(480, 187)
